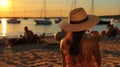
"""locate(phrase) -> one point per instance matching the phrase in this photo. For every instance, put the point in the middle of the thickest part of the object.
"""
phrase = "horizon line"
(60, 16)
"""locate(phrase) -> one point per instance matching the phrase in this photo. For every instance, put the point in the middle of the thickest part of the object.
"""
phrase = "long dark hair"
(74, 42)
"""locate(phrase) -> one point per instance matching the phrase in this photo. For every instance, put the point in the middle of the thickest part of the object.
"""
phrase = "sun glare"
(3, 2)
(3, 27)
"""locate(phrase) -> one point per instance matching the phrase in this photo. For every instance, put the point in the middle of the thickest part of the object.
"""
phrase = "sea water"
(8, 29)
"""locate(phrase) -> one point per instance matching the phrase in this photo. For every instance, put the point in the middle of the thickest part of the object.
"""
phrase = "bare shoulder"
(61, 43)
(91, 42)
(89, 45)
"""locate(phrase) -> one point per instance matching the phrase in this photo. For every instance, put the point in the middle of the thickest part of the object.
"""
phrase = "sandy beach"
(47, 54)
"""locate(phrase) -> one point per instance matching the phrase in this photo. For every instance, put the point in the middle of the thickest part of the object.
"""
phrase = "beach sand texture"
(48, 54)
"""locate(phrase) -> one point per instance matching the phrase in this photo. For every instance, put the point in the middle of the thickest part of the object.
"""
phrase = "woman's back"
(90, 47)
(76, 50)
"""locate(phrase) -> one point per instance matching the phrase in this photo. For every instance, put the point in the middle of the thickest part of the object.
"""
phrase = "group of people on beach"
(76, 48)
(112, 30)
(28, 38)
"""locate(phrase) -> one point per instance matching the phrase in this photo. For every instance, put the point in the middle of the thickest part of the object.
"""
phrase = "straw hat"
(78, 21)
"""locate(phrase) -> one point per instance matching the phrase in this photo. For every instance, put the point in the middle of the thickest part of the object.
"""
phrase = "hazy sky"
(57, 7)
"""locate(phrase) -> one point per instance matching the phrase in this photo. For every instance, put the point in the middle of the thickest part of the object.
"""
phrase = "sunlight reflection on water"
(3, 21)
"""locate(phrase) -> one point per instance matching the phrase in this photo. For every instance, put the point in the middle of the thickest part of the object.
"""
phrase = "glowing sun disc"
(3, 3)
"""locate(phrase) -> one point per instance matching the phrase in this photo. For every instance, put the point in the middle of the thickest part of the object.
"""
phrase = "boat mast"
(92, 7)
(12, 8)
(44, 8)
(73, 4)
(24, 11)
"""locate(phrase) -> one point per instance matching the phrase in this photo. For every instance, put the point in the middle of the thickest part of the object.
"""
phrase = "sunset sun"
(4, 2)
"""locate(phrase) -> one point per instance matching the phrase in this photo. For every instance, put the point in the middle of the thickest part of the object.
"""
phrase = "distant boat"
(58, 20)
(25, 18)
(102, 22)
(13, 20)
(44, 21)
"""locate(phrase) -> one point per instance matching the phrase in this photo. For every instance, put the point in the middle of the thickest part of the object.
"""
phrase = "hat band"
(81, 21)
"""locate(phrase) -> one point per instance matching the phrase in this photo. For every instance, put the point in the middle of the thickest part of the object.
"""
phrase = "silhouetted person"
(112, 31)
(28, 35)
(60, 35)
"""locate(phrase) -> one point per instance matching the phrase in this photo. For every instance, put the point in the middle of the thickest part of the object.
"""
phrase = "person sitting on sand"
(36, 39)
(103, 34)
(95, 34)
(76, 50)
(59, 35)
(112, 31)
(28, 35)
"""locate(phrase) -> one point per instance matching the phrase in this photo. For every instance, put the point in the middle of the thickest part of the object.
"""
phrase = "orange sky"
(33, 8)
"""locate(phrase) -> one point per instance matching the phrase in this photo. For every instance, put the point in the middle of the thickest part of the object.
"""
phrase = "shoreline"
(17, 35)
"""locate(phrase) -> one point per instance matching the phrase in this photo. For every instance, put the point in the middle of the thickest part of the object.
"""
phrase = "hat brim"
(92, 21)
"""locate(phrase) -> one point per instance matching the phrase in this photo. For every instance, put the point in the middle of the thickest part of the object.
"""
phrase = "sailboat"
(13, 20)
(44, 21)
(102, 21)
(57, 20)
